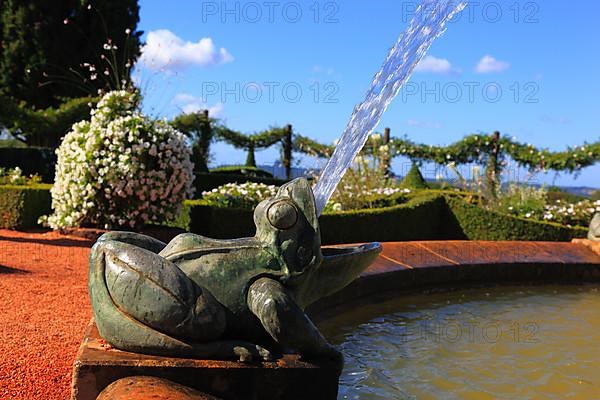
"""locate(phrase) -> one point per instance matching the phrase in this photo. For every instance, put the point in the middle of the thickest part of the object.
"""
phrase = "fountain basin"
(508, 341)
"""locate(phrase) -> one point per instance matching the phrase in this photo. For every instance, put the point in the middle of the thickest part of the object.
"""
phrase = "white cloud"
(325, 70)
(189, 104)
(166, 51)
(435, 65)
(555, 119)
(424, 124)
(489, 64)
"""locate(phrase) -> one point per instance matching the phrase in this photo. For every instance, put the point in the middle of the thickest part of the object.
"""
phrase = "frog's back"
(223, 267)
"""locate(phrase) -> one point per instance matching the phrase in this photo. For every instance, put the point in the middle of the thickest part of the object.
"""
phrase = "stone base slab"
(97, 366)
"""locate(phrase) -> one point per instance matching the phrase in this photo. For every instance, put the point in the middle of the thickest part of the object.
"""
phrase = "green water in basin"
(535, 342)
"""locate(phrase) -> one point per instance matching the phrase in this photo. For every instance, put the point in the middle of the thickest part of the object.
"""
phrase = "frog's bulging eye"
(282, 215)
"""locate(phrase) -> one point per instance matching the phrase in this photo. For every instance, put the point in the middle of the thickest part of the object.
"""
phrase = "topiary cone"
(414, 179)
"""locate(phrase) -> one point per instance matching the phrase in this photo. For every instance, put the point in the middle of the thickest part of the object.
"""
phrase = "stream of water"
(426, 25)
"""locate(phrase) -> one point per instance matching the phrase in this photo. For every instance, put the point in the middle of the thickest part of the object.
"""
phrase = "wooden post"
(250, 159)
(493, 167)
(287, 151)
(203, 144)
(386, 135)
(385, 158)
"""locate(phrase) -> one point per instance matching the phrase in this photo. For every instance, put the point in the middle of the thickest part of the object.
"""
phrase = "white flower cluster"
(14, 176)
(378, 191)
(120, 169)
(239, 195)
(579, 213)
(385, 191)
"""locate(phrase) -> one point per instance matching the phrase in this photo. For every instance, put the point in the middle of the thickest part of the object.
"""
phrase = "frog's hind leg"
(144, 303)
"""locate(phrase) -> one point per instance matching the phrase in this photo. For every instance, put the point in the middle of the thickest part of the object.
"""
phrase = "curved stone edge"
(149, 387)
(405, 267)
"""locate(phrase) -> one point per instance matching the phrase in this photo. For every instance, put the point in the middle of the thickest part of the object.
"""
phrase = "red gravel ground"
(44, 309)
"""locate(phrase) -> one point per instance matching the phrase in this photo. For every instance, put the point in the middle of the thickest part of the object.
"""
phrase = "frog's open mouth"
(345, 251)
(349, 260)
(340, 266)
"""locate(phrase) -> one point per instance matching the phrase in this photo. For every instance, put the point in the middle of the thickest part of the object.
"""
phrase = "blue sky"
(528, 69)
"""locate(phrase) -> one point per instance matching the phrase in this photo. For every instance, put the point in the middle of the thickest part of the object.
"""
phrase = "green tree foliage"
(46, 127)
(197, 127)
(54, 51)
(250, 143)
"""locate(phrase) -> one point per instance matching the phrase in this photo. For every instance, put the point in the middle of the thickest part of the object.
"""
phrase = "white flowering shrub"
(533, 203)
(235, 195)
(120, 169)
(248, 195)
(572, 214)
(14, 176)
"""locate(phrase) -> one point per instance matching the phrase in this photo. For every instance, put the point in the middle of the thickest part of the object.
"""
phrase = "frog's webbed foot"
(251, 352)
(287, 324)
(146, 304)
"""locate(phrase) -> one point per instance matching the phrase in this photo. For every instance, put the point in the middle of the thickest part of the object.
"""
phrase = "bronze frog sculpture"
(224, 299)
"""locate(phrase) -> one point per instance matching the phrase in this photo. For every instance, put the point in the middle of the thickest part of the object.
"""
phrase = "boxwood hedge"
(480, 224)
(430, 215)
(31, 160)
(427, 215)
(21, 206)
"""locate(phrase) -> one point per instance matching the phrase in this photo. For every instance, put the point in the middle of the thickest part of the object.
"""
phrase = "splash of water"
(426, 25)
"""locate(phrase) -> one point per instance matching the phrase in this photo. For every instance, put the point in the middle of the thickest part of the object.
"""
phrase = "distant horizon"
(278, 171)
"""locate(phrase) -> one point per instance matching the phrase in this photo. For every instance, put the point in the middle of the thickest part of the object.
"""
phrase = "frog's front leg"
(285, 321)
(146, 304)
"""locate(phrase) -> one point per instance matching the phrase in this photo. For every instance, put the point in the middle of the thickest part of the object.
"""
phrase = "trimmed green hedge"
(242, 170)
(21, 206)
(31, 160)
(428, 215)
(401, 222)
(479, 224)
(207, 181)
(418, 219)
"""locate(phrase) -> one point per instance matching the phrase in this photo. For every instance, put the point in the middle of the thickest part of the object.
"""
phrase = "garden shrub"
(401, 222)
(244, 170)
(14, 176)
(477, 223)
(414, 179)
(22, 205)
(556, 193)
(245, 196)
(120, 169)
(536, 204)
(427, 215)
(418, 219)
(206, 181)
(31, 160)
